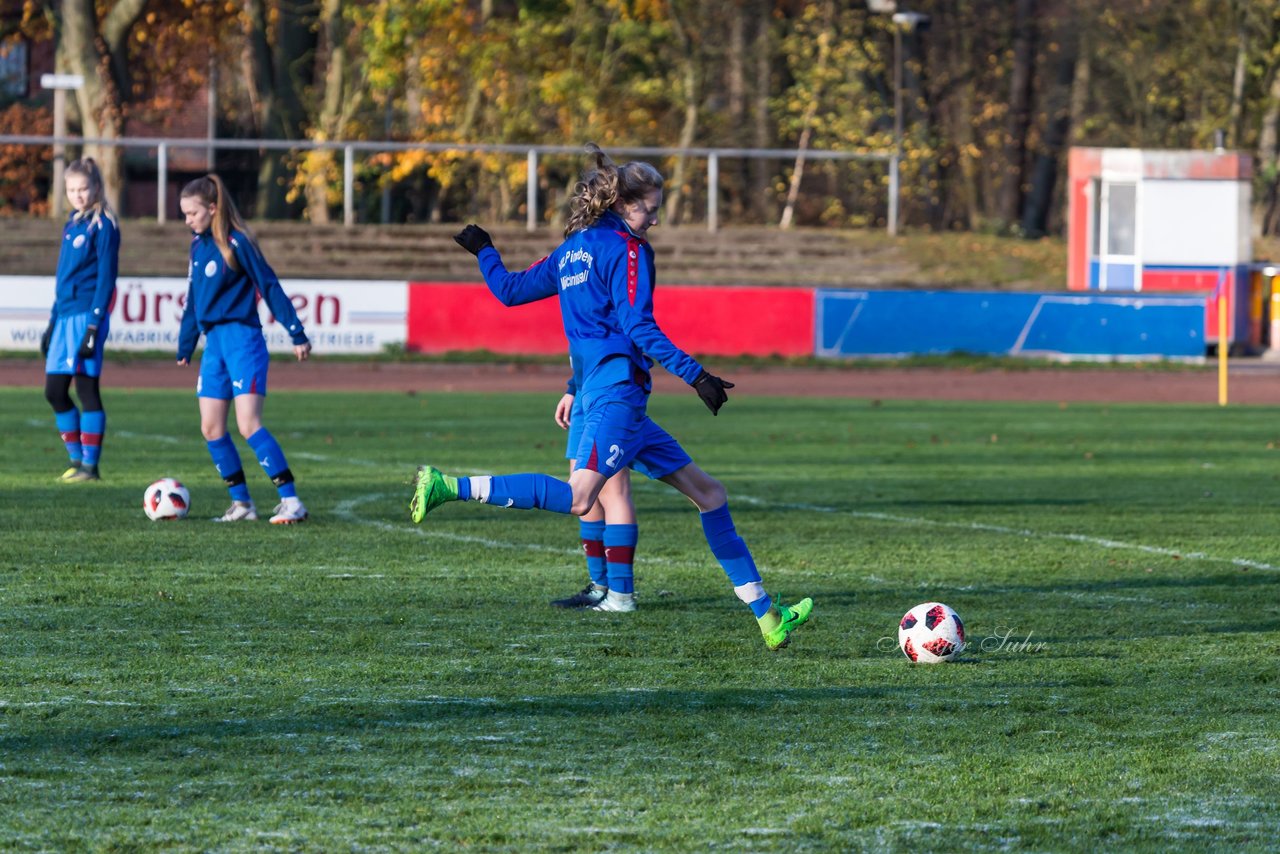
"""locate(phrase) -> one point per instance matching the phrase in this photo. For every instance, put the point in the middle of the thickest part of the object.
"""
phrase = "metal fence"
(531, 153)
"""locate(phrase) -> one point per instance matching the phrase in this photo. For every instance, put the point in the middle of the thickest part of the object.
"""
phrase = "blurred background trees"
(993, 96)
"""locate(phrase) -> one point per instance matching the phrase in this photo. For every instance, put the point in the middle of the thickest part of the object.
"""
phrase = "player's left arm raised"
(535, 283)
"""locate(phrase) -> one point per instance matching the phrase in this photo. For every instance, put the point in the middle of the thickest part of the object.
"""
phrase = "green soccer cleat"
(81, 474)
(778, 624)
(431, 488)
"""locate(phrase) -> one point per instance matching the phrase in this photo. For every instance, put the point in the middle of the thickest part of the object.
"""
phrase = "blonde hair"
(98, 206)
(213, 193)
(606, 184)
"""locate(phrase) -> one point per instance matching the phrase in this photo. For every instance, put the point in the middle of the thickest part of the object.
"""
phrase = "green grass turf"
(359, 683)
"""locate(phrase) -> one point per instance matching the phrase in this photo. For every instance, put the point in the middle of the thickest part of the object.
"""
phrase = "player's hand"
(563, 410)
(712, 390)
(183, 362)
(89, 343)
(302, 351)
(45, 339)
(473, 238)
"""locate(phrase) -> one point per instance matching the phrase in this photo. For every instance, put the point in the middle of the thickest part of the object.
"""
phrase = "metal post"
(531, 191)
(895, 165)
(211, 117)
(713, 194)
(348, 186)
(162, 180)
(59, 151)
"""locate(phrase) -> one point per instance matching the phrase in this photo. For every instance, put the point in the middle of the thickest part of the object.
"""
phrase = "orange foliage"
(25, 169)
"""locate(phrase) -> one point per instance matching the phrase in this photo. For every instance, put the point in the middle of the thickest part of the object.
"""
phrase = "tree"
(97, 50)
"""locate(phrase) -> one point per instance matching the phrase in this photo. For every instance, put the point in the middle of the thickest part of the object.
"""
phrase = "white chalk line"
(1028, 533)
(346, 510)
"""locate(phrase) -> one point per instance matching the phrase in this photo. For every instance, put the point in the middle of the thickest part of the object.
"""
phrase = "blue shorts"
(576, 420)
(615, 432)
(64, 346)
(234, 362)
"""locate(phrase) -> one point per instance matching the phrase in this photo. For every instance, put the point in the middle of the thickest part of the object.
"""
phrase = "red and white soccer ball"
(166, 500)
(931, 633)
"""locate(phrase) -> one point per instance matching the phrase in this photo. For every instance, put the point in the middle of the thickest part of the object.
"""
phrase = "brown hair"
(98, 206)
(213, 193)
(606, 184)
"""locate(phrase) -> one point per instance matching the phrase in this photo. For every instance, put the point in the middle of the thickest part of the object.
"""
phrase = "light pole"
(59, 83)
(910, 22)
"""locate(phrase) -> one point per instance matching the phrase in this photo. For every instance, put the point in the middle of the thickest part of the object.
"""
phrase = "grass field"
(359, 683)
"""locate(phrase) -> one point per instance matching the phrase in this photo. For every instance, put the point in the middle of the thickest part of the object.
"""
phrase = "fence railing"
(349, 148)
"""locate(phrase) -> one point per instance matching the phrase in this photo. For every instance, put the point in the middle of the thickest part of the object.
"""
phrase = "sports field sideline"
(1251, 381)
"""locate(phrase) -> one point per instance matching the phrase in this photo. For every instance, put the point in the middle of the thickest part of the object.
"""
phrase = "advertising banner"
(339, 316)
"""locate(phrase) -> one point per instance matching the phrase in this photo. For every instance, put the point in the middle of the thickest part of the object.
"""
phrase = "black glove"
(473, 238)
(89, 343)
(45, 339)
(712, 391)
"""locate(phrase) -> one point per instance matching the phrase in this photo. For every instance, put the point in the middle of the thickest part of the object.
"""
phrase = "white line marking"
(1102, 542)
(347, 510)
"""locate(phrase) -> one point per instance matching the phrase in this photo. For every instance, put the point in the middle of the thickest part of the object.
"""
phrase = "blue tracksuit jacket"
(604, 278)
(218, 294)
(87, 265)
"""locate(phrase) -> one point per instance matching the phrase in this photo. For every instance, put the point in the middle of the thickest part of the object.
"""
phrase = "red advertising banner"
(715, 321)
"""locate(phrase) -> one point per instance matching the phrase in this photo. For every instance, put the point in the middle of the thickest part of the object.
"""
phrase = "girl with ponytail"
(79, 323)
(608, 532)
(603, 275)
(226, 275)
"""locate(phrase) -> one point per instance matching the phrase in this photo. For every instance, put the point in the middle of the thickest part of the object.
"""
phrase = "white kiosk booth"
(1165, 221)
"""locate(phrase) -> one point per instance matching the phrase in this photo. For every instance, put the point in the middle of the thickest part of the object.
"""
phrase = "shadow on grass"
(459, 716)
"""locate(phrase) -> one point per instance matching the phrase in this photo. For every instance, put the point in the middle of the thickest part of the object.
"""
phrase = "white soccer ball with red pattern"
(931, 633)
(166, 500)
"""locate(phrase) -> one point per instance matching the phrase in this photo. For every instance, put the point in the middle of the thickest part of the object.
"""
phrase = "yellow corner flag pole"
(1223, 345)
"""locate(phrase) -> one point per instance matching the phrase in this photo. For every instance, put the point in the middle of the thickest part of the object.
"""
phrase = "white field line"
(1028, 533)
(346, 510)
(63, 701)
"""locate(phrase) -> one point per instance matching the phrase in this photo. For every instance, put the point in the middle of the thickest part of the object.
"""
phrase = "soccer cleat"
(780, 621)
(619, 603)
(588, 597)
(431, 488)
(289, 512)
(80, 474)
(239, 511)
(68, 475)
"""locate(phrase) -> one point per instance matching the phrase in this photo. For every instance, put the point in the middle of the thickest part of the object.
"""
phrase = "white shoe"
(239, 511)
(289, 512)
(616, 602)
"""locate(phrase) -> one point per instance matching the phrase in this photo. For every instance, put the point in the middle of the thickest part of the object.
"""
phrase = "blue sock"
(592, 536)
(226, 459)
(620, 554)
(733, 554)
(69, 429)
(92, 426)
(272, 460)
(526, 492)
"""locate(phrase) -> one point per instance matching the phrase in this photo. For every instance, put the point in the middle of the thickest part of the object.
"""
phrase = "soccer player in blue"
(80, 321)
(227, 272)
(608, 530)
(603, 275)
